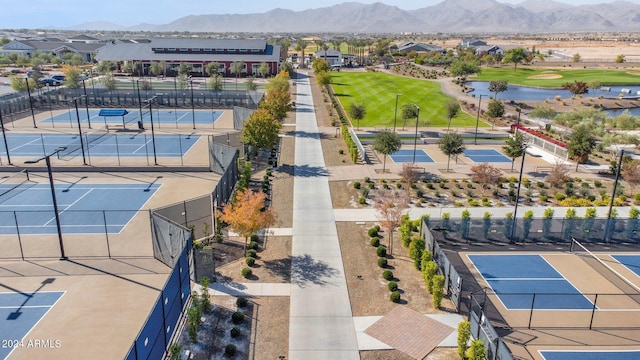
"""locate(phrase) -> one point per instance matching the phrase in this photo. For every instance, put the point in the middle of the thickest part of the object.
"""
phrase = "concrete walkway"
(320, 323)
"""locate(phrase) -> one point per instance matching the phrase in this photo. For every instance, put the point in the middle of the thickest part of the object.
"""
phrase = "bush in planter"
(253, 245)
(241, 301)
(375, 241)
(438, 290)
(373, 232)
(393, 286)
(237, 317)
(230, 350)
(356, 185)
(235, 332)
(382, 262)
(250, 260)
(395, 296)
(387, 275)
(246, 272)
(252, 253)
(381, 251)
(362, 201)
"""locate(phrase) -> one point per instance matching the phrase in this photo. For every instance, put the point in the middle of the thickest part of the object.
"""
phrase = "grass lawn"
(522, 76)
(377, 91)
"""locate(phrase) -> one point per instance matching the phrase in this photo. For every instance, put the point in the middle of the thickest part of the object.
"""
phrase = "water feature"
(525, 93)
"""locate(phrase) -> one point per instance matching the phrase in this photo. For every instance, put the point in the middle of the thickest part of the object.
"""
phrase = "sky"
(66, 13)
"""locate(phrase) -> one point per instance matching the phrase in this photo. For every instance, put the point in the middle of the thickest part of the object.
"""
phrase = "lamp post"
(153, 134)
(395, 113)
(84, 158)
(33, 116)
(4, 136)
(613, 195)
(517, 121)
(475, 139)
(47, 160)
(193, 110)
(415, 138)
(86, 103)
(139, 100)
(515, 210)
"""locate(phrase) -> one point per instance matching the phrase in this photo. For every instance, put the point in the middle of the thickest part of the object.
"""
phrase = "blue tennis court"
(99, 144)
(632, 262)
(83, 208)
(515, 278)
(406, 155)
(160, 117)
(590, 355)
(19, 313)
(485, 155)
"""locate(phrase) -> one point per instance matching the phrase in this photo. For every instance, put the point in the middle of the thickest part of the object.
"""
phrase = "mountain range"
(448, 16)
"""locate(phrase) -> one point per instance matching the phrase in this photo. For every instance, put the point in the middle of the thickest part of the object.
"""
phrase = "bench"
(543, 168)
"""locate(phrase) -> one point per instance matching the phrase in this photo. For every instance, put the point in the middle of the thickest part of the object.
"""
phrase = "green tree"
(215, 83)
(409, 111)
(184, 69)
(514, 147)
(543, 112)
(620, 59)
(319, 65)
(514, 56)
(108, 81)
(323, 78)
(357, 112)
(4, 41)
(498, 86)
(453, 108)
(157, 68)
(263, 69)
(193, 321)
(386, 142)
(76, 60)
(72, 77)
(301, 45)
(576, 58)
(464, 334)
(451, 144)
(205, 297)
(236, 68)
(581, 144)
(213, 68)
(261, 130)
(576, 87)
(250, 84)
(277, 101)
(438, 290)
(495, 109)
(476, 351)
(19, 83)
(286, 66)
(105, 66)
(182, 81)
(460, 68)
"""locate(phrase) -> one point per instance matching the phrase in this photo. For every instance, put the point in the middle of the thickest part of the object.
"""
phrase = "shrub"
(544, 198)
(253, 245)
(375, 241)
(246, 272)
(341, 152)
(395, 296)
(373, 232)
(254, 238)
(438, 290)
(382, 262)
(237, 317)
(464, 333)
(381, 251)
(235, 332)
(367, 179)
(387, 275)
(393, 286)
(430, 185)
(362, 201)
(560, 196)
(250, 260)
(597, 183)
(356, 185)
(241, 301)
(230, 350)
(252, 253)
(372, 185)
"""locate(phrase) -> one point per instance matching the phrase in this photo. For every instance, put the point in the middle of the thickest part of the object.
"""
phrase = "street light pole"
(613, 195)
(153, 134)
(395, 113)
(515, 210)
(47, 160)
(475, 139)
(4, 136)
(33, 116)
(193, 110)
(415, 138)
(86, 103)
(139, 100)
(84, 158)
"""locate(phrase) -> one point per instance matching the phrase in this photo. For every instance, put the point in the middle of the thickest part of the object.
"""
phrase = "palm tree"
(301, 45)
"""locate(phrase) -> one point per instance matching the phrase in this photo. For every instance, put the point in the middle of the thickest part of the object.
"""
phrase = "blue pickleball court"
(486, 155)
(82, 208)
(406, 155)
(19, 313)
(160, 117)
(525, 281)
(590, 355)
(99, 144)
(632, 262)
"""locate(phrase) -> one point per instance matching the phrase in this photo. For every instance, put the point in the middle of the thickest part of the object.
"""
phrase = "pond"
(524, 93)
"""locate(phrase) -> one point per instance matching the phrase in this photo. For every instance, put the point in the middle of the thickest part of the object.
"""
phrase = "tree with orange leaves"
(246, 215)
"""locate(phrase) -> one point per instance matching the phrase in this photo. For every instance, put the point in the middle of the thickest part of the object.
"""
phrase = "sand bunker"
(635, 73)
(545, 76)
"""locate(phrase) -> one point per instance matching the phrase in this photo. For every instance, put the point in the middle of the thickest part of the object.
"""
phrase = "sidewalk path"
(320, 319)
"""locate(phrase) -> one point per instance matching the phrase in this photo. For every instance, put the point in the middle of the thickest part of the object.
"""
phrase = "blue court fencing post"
(4, 136)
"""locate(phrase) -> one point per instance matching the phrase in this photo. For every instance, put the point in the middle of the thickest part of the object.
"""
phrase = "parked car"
(50, 82)
(60, 78)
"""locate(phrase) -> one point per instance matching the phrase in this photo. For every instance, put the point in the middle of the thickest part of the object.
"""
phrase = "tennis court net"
(12, 183)
(613, 276)
(75, 148)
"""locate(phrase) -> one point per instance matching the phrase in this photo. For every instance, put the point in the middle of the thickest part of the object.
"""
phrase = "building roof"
(138, 52)
(49, 46)
(82, 37)
(329, 52)
(407, 46)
